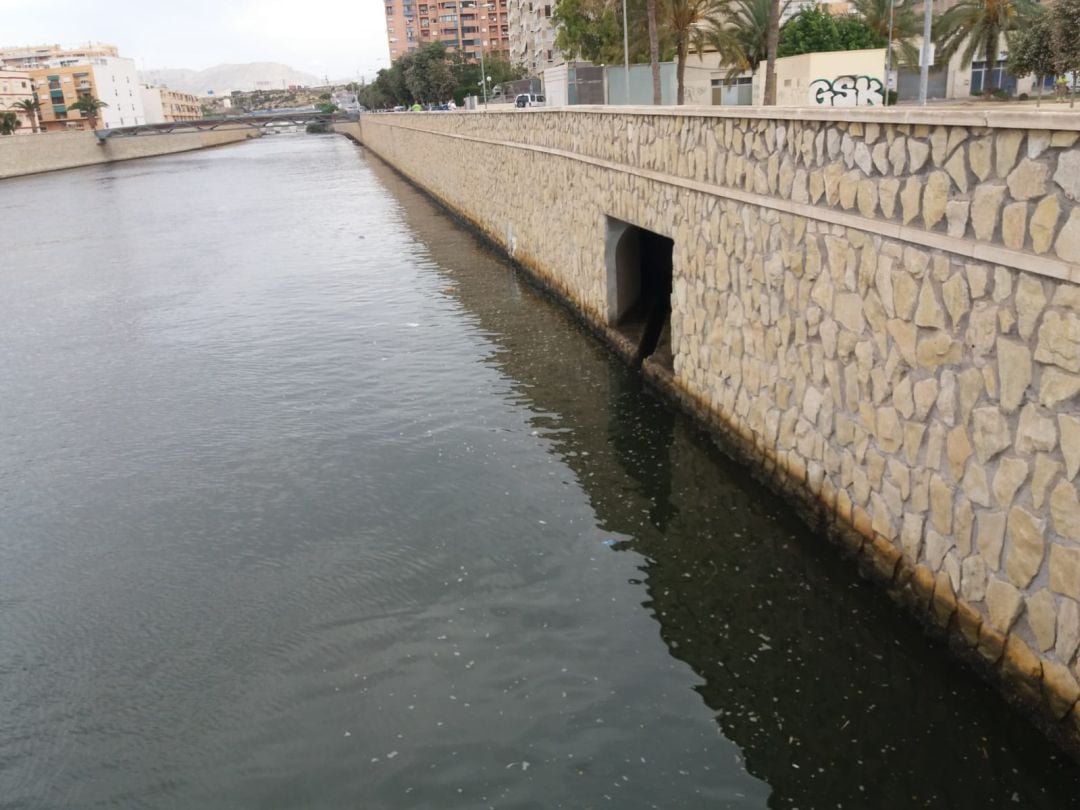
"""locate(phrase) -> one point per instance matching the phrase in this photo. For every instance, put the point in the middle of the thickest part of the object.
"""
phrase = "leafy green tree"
(328, 107)
(89, 107)
(592, 30)
(9, 122)
(428, 74)
(31, 107)
(740, 35)
(815, 30)
(586, 29)
(976, 28)
(1065, 25)
(1031, 50)
(906, 26)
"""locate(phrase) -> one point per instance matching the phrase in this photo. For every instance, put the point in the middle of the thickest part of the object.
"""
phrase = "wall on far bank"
(879, 307)
(68, 150)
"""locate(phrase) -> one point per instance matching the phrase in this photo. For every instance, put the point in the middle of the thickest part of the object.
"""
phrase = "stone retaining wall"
(879, 307)
(31, 154)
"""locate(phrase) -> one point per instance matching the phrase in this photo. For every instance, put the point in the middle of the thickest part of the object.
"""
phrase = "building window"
(547, 11)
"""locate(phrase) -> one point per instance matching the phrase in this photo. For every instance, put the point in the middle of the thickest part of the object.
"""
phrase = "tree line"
(747, 33)
(432, 75)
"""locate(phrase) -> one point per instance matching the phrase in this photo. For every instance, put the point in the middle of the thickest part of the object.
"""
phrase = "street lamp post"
(924, 68)
(888, 53)
(483, 71)
(626, 51)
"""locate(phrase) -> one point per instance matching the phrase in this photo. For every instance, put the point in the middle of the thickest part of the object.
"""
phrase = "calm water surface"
(308, 500)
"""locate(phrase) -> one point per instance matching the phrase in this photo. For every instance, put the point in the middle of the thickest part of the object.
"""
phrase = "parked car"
(530, 100)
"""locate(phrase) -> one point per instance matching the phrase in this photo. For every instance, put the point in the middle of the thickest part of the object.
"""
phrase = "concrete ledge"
(927, 116)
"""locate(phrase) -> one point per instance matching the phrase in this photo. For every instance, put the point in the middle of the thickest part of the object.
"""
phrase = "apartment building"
(29, 57)
(110, 79)
(164, 106)
(532, 36)
(16, 86)
(466, 26)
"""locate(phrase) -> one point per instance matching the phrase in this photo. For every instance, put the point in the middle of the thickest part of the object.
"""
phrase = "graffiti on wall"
(848, 91)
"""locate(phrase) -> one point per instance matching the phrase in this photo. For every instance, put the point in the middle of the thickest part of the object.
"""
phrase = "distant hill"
(223, 79)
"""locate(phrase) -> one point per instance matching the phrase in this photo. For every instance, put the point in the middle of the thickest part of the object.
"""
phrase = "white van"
(530, 100)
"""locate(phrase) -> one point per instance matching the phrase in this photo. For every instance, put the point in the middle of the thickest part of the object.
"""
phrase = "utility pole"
(888, 54)
(924, 66)
(626, 50)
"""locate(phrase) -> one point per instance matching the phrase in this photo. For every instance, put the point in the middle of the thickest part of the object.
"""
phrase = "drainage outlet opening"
(639, 270)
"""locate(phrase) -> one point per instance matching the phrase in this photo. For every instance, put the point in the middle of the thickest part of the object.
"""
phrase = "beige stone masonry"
(878, 308)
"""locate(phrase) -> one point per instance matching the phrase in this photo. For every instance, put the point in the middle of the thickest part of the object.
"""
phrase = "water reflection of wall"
(834, 699)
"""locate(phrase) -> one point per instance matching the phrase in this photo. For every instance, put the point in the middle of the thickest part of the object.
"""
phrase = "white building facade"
(532, 36)
(117, 84)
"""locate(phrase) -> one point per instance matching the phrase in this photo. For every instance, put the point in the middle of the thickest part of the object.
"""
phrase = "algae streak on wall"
(879, 307)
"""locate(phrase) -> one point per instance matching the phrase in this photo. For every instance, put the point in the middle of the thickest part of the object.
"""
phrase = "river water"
(309, 500)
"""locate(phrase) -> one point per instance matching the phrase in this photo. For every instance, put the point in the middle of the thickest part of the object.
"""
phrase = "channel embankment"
(32, 154)
(879, 308)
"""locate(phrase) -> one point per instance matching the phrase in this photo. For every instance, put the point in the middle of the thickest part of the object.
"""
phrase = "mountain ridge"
(225, 78)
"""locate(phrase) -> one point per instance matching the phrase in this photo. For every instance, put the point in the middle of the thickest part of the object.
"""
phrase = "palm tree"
(30, 107)
(654, 49)
(740, 35)
(905, 27)
(772, 39)
(89, 107)
(9, 122)
(977, 27)
(684, 19)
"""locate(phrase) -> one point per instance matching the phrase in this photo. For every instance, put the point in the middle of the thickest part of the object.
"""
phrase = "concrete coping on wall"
(933, 115)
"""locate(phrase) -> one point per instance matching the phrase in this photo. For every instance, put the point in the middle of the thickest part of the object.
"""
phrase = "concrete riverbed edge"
(23, 155)
(1046, 689)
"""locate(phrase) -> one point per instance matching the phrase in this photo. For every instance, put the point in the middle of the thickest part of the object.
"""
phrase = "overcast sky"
(335, 38)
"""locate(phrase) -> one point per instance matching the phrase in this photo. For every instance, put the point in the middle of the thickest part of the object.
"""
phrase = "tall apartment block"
(466, 26)
(28, 57)
(532, 36)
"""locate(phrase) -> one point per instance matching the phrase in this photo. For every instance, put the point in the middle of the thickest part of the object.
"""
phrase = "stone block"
(1067, 175)
(985, 208)
(956, 297)
(1008, 146)
(918, 152)
(990, 433)
(1068, 630)
(1044, 223)
(979, 152)
(1042, 618)
(937, 350)
(1056, 387)
(1028, 180)
(1010, 476)
(1059, 341)
(1014, 372)
(973, 578)
(1004, 603)
(935, 196)
(1065, 510)
(1070, 443)
(1060, 688)
(1027, 546)
(975, 484)
(1065, 570)
(929, 313)
(1035, 433)
(1067, 246)
(909, 199)
(1022, 669)
(990, 537)
(1014, 225)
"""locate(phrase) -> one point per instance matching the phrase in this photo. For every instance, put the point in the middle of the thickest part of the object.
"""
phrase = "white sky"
(335, 38)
